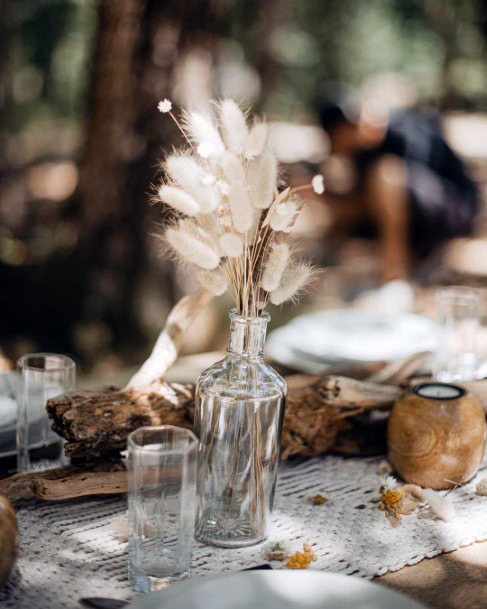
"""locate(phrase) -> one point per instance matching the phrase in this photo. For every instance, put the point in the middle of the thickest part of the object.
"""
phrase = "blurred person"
(394, 178)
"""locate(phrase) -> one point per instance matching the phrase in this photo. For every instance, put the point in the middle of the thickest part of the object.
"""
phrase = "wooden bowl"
(436, 435)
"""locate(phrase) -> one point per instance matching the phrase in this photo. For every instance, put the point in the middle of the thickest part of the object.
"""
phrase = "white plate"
(346, 336)
(276, 590)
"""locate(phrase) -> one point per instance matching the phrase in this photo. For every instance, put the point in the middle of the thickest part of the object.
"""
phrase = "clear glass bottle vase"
(238, 418)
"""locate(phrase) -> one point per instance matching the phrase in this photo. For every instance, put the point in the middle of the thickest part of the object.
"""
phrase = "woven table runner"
(71, 549)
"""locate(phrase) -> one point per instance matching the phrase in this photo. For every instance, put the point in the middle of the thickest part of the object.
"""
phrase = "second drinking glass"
(459, 311)
(162, 479)
(41, 376)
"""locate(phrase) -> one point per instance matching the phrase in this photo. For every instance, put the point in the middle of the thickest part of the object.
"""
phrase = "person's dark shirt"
(444, 198)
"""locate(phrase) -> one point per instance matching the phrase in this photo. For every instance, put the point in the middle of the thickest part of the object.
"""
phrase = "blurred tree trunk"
(5, 75)
(138, 48)
(109, 245)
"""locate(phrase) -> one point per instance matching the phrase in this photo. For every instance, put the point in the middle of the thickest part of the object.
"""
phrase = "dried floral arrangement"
(231, 212)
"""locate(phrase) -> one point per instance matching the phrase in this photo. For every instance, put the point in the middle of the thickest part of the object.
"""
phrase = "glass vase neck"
(247, 334)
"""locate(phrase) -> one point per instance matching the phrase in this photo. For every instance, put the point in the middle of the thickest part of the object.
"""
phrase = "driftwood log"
(96, 424)
(106, 477)
(321, 413)
(318, 417)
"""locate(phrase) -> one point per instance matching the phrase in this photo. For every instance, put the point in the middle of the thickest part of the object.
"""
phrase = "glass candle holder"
(459, 311)
(161, 467)
(41, 376)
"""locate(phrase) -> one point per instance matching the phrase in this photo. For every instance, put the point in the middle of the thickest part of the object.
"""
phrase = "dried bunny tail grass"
(216, 280)
(284, 214)
(440, 505)
(178, 199)
(294, 280)
(256, 141)
(184, 170)
(231, 245)
(210, 224)
(233, 169)
(204, 133)
(241, 210)
(275, 266)
(233, 126)
(188, 173)
(262, 180)
(192, 245)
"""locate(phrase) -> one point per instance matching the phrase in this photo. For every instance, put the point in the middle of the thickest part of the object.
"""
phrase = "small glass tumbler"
(459, 311)
(162, 465)
(41, 376)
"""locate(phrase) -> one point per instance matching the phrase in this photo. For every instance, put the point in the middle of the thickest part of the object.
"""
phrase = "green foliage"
(51, 67)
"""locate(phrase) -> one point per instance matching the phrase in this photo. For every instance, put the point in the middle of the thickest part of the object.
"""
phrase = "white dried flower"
(164, 106)
(262, 180)
(208, 179)
(238, 199)
(186, 171)
(205, 134)
(441, 505)
(231, 212)
(389, 481)
(318, 184)
(231, 245)
(256, 141)
(482, 487)
(240, 209)
(233, 169)
(206, 150)
(223, 187)
(178, 200)
(233, 125)
(275, 266)
(294, 280)
(192, 246)
(216, 281)
(283, 216)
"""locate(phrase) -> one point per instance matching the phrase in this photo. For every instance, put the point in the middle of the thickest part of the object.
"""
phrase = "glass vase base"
(227, 532)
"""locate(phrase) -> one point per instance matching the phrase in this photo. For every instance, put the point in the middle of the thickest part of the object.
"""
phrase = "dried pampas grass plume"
(275, 266)
(191, 247)
(294, 281)
(178, 200)
(234, 127)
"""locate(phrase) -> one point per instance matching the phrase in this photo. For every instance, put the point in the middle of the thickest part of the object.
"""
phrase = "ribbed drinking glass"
(162, 480)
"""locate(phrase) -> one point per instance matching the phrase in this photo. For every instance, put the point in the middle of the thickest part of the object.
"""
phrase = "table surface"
(457, 580)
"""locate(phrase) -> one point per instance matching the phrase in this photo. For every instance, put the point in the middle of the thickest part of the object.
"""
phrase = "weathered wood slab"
(102, 478)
